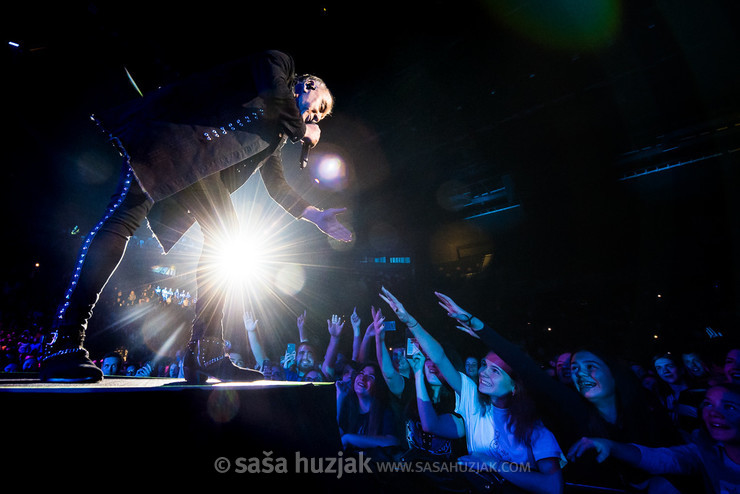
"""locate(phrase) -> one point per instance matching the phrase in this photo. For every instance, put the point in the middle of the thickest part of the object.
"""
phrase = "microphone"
(304, 155)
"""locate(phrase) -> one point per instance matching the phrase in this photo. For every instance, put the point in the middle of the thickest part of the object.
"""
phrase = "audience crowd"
(582, 417)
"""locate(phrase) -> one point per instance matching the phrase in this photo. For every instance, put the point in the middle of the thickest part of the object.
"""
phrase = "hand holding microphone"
(304, 155)
(310, 139)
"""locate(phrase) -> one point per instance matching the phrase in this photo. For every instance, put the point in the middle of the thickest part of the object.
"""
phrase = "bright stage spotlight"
(242, 260)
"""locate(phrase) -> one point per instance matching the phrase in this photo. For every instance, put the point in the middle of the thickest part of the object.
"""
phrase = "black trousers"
(210, 204)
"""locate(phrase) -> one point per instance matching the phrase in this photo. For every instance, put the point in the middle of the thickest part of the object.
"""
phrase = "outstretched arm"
(431, 347)
(605, 448)
(282, 193)
(569, 408)
(327, 222)
(393, 379)
(681, 459)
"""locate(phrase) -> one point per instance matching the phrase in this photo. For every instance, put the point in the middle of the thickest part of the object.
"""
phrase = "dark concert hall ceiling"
(551, 111)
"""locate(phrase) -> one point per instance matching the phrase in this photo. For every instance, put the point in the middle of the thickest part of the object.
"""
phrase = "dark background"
(565, 169)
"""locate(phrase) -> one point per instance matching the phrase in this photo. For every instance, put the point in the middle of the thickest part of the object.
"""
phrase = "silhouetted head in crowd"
(347, 371)
(112, 364)
(314, 375)
(670, 369)
(471, 368)
(398, 357)
(695, 364)
(562, 368)
(732, 365)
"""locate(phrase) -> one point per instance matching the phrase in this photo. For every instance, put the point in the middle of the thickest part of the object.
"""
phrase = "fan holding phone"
(423, 383)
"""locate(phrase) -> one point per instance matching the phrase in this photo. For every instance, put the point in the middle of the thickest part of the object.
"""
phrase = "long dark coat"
(231, 120)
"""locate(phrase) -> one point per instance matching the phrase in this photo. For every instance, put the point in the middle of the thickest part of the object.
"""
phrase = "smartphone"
(389, 325)
(411, 346)
(291, 349)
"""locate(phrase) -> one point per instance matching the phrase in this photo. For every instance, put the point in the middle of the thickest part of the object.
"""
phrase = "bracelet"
(416, 323)
(470, 318)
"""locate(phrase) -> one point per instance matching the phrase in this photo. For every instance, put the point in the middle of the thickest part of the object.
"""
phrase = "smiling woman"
(606, 401)
(366, 422)
(714, 450)
(623, 406)
(506, 439)
(595, 382)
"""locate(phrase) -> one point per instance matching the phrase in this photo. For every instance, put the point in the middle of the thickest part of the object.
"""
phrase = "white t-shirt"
(489, 434)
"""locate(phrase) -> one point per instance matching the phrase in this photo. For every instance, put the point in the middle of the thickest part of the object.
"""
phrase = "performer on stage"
(185, 149)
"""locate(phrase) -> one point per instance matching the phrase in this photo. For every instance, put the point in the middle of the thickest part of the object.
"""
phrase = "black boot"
(206, 358)
(65, 360)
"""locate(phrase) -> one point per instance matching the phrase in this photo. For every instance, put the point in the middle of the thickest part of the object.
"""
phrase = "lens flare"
(223, 405)
(330, 172)
(291, 279)
(583, 25)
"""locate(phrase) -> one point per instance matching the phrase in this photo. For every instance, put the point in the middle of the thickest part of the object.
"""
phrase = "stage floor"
(147, 433)
(30, 381)
(144, 427)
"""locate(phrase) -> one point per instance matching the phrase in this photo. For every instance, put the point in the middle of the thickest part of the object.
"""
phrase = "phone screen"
(411, 346)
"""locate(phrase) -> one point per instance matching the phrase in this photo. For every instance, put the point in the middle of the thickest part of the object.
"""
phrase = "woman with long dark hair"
(419, 444)
(505, 438)
(365, 419)
(714, 449)
(607, 398)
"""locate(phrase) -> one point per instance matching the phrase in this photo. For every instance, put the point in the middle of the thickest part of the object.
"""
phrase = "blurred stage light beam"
(133, 82)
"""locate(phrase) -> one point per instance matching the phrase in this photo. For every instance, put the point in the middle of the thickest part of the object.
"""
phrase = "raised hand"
(453, 310)
(467, 329)
(370, 331)
(355, 320)
(145, 370)
(250, 323)
(378, 320)
(464, 318)
(288, 360)
(395, 306)
(416, 362)
(335, 325)
(301, 321)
